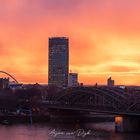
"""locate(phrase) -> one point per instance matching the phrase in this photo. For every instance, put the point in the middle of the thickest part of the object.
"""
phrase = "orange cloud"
(104, 38)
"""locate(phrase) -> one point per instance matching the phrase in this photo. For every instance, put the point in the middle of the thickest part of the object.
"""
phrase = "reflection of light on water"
(106, 126)
(118, 119)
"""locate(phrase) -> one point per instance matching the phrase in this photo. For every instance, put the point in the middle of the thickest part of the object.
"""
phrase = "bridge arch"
(94, 96)
(9, 75)
(134, 107)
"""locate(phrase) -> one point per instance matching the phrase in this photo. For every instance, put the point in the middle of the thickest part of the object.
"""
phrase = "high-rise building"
(58, 61)
(73, 79)
(110, 82)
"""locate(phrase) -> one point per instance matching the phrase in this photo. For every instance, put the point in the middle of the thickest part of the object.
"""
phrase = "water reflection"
(92, 131)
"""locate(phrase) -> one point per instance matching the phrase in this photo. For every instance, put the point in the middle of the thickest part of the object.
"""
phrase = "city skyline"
(104, 38)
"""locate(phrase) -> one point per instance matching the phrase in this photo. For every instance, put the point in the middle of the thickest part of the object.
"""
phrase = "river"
(91, 131)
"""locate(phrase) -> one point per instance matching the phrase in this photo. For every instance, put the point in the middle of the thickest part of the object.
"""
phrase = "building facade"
(4, 83)
(58, 61)
(73, 79)
(110, 82)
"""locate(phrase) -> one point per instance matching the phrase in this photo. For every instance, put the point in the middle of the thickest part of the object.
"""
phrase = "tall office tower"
(58, 61)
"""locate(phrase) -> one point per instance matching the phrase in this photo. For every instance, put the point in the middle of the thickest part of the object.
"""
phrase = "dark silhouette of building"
(58, 61)
(4, 83)
(110, 82)
(73, 79)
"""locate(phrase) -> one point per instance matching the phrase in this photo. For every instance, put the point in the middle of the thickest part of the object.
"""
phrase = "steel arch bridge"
(9, 75)
(99, 99)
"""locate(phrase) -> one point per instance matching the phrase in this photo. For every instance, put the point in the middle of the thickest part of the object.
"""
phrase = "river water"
(91, 131)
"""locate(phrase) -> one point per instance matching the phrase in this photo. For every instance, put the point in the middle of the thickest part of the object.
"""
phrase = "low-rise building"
(73, 79)
(110, 82)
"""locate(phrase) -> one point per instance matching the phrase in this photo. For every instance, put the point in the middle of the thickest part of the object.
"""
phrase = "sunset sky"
(104, 38)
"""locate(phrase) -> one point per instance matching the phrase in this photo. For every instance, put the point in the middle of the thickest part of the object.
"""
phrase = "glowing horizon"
(103, 35)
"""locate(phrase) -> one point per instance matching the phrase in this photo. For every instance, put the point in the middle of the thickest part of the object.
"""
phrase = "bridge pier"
(127, 124)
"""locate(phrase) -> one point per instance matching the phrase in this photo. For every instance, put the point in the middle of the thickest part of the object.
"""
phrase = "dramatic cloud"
(104, 38)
